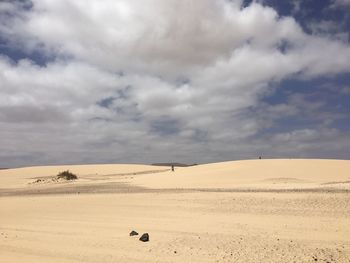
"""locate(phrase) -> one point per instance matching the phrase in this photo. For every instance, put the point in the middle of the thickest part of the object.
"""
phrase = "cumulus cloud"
(340, 3)
(129, 80)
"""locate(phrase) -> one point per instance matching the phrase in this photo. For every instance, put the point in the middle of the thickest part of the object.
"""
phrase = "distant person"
(259, 157)
(172, 168)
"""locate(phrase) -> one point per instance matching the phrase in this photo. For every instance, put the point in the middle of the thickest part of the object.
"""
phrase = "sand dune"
(22, 176)
(253, 173)
(241, 211)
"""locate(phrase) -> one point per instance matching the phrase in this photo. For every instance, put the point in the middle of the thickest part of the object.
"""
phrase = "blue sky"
(173, 81)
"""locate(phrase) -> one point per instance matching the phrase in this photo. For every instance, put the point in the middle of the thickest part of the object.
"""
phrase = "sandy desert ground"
(241, 211)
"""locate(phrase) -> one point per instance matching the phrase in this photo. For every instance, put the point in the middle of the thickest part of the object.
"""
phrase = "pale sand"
(244, 211)
(270, 174)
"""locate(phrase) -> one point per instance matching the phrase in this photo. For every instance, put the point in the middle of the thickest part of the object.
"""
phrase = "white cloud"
(132, 78)
(341, 3)
(173, 39)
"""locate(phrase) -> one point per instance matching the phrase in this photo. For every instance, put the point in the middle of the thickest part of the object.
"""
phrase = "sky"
(192, 81)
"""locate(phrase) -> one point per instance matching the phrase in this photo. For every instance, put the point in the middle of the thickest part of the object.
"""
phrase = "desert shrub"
(67, 175)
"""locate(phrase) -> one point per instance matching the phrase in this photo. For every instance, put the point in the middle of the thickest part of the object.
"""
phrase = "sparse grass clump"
(67, 175)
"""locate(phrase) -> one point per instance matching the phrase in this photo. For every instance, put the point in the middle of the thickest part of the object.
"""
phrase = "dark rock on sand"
(133, 233)
(144, 237)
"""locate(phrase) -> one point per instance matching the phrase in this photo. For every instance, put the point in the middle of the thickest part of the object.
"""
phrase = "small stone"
(175, 252)
(144, 237)
(133, 233)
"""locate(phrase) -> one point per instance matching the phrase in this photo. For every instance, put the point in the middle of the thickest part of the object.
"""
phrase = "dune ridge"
(252, 174)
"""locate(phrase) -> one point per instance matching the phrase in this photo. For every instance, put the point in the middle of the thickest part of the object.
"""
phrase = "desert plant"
(67, 175)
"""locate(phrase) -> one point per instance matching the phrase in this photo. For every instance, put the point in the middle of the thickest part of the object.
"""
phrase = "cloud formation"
(340, 3)
(153, 80)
